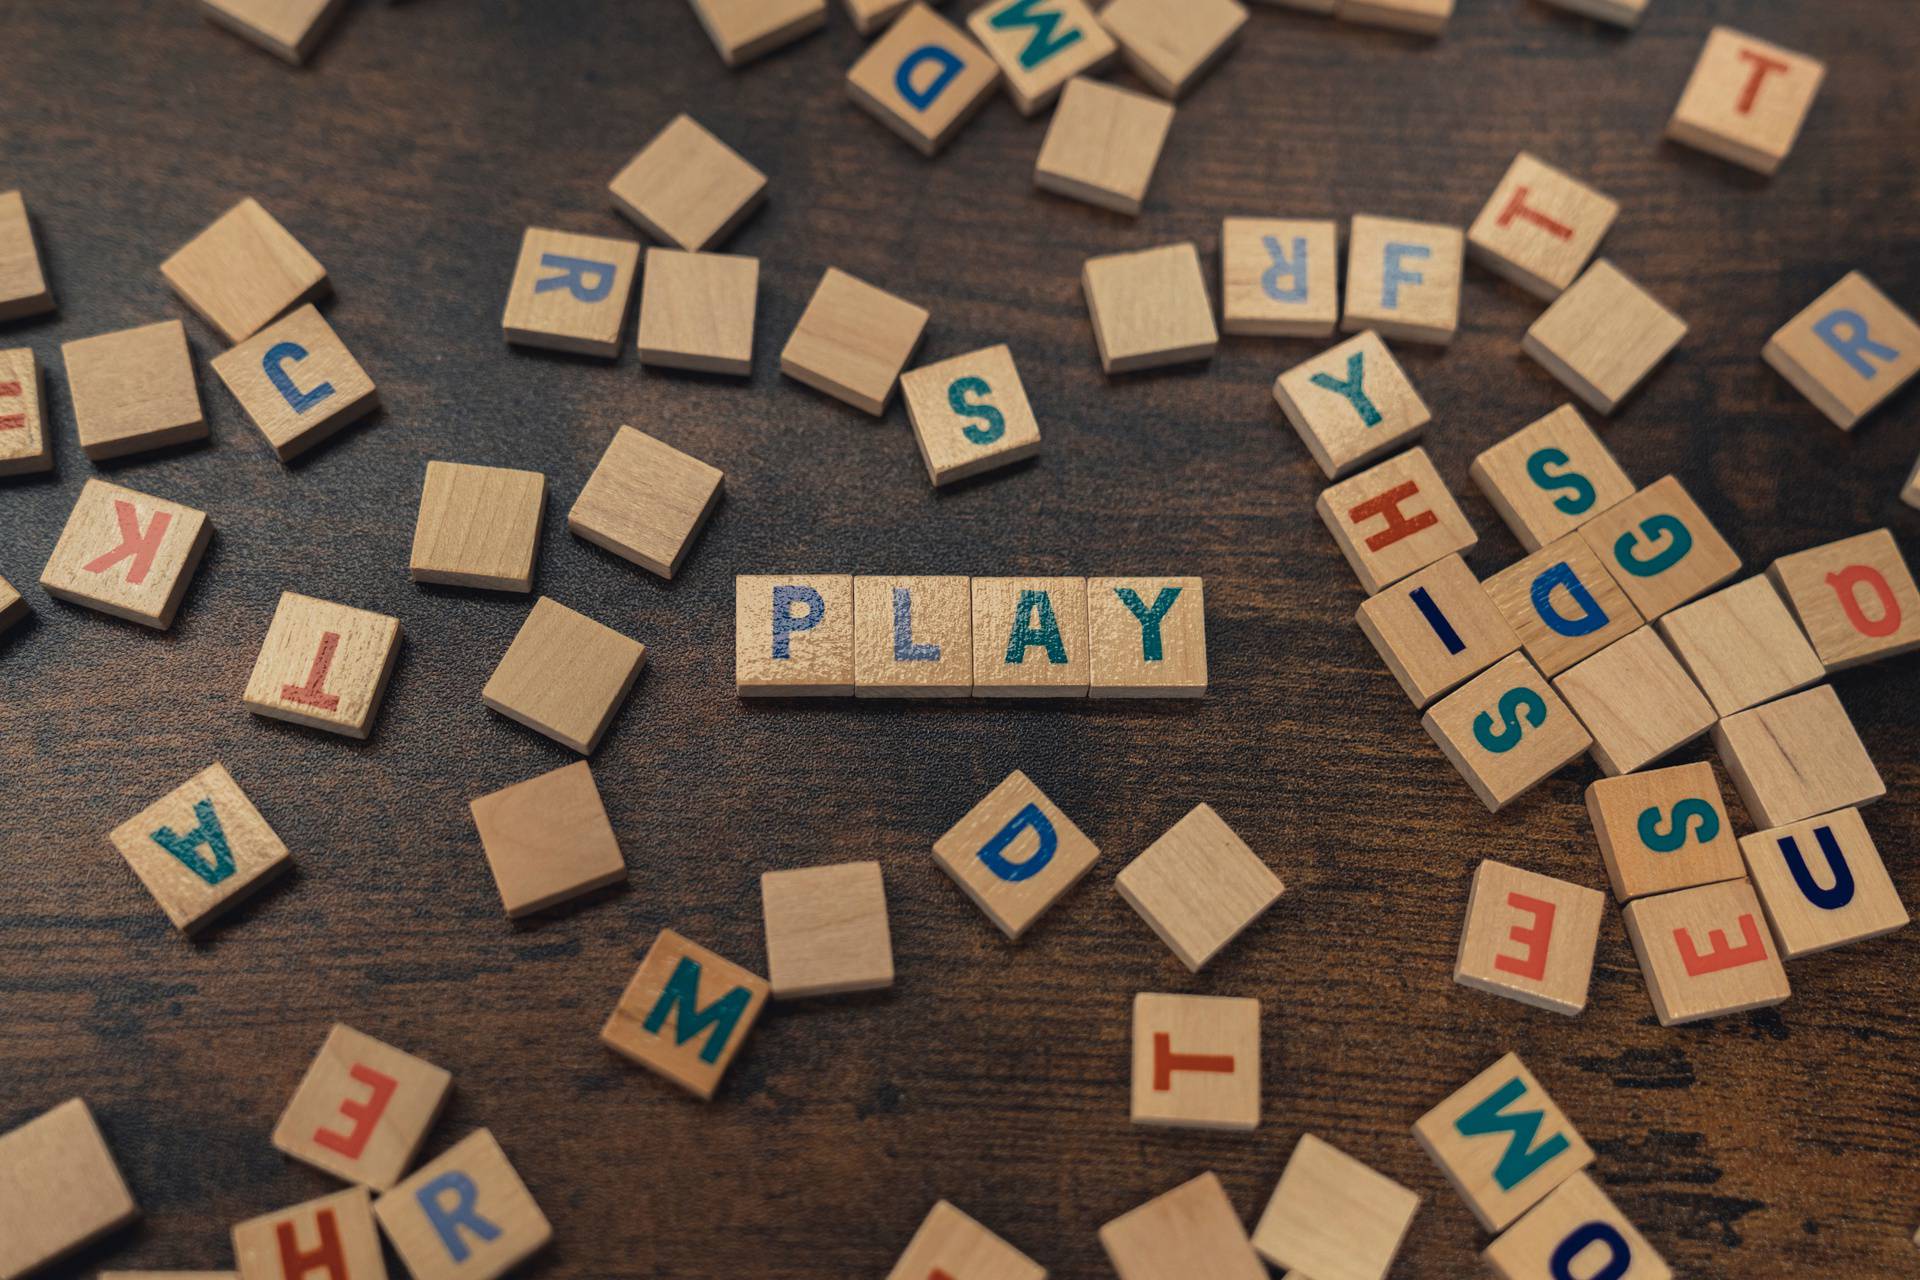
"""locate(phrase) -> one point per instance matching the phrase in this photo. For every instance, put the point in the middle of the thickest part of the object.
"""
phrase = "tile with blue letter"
(912, 637)
(1015, 854)
(464, 1216)
(923, 79)
(570, 292)
(1822, 883)
(1577, 1223)
(793, 635)
(298, 382)
(1403, 279)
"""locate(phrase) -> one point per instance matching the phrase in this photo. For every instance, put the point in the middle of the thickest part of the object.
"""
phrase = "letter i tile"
(1015, 854)
(1529, 937)
(362, 1110)
(465, 1216)
(1502, 1142)
(323, 665)
(1196, 1061)
(298, 382)
(1030, 638)
(1706, 952)
(127, 554)
(201, 848)
(334, 1235)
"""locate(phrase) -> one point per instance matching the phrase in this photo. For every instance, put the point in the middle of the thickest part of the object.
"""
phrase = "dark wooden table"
(410, 155)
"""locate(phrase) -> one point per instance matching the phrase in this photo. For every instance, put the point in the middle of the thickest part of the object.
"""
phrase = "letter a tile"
(334, 1235)
(1015, 854)
(362, 1110)
(1196, 1062)
(685, 1014)
(1030, 638)
(1502, 1143)
(127, 554)
(1529, 937)
(324, 665)
(1706, 952)
(465, 1216)
(201, 848)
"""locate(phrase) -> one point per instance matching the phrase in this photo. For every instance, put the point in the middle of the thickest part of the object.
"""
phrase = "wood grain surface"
(411, 154)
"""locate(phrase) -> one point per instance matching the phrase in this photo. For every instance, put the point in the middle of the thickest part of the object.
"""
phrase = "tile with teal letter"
(1502, 1142)
(201, 848)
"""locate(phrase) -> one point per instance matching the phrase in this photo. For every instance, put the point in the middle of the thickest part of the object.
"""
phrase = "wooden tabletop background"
(409, 156)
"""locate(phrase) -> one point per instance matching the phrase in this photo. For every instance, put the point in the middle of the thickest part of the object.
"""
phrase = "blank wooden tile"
(298, 382)
(685, 1014)
(1187, 1232)
(1662, 830)
(1278, 276)
(1436, 628)
(169, 1275)
(1332, 1217)
(1529, 937)
(1403, 279)
(1196, 1062)
(912, 637)
(950, 1243)
(324, 665)
(1149, 308)
(1705, 952)
(1502, 1142)
(852, 341)
(26, 443)
(970, 414)
(1910, 494)
(127, 554)
(1848, 351)
(464, 1216)
(1171, 44)
(1422, 17)
(1822, 883)
(1562, 603)
(1550, 477)
(1660, 547)
(1015, 854)
(1040, 47)
(1797, 757)
(548, 840)
(743, 30)
(793, 635)
(1505, 731)
(696, 311)
(569, 292)
(1746, 100)
(1147, 637)
(133, 390)
(1855, 598)
(289, 29)
(201, 849)
(1030, 638)
(13, 609)
(868, 16)
(1603, 336)
(688, 188)
(1394, 518)
(1741, 646)
(23, 285)
(645, 501)
(362, 1109)
(1621, 13)
(1574, 1226)
(478, 526)
(565, 675)
(59, 1189)
(1540, 227)
(1636, 700)
(335, 1234)
(1351, 404)
(1199, 886)
(244, 270)
(923, 79)
(826, 930)
(1102, 145)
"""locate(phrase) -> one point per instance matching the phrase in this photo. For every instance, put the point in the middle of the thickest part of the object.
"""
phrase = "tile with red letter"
(201, 849)
(685, 1014)
(1822, 883)
(334, 1234)
(1660, 547)
(26, 443)
(1550, 477)
(1706, 952)
(464, 1216)
(1196, 1062)
(1277, 276)
(570, 292)
(1505, 731)
(1015, 854)
(324, 665)
(59, 1188)
(1332, 1217)
(1040, 49)
(1540, 227)
(1562, 603)
(923, 78)
(1188, 1232)
(951, 1244)
(1577, 1222)
(1199, 886)
(1855, 598)
(1797, 757)
(1529, 937)
(133, 390)
(1848, 351)
(127, 554)
(1394, 519)
(1351, 404)
(1746, 100)
(362, 1110)
(1436, 629)
(298, 382)
(1403, 279)
(1502, 1142)
(1662, 830)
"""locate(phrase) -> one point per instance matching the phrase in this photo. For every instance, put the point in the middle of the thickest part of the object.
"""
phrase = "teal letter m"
(1521, 1157)
(681, 1000)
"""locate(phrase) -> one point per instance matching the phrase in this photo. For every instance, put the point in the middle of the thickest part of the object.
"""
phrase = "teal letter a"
(1044, 630)
(681, 999)
(1518, 1162)
(187, 848)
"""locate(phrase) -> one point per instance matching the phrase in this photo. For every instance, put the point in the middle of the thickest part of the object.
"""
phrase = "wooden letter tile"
(1351, 404)
(1576, 1225)
(923, 79)
(565, 675)
(1170, 44)
(1662, 830)
(1149, 308)
(1403, 279)
(1848, 351)
(478, 526)
(970, 414)
(570, 292)
(742, 30)
(685, 1014)
(26, 443)
(1529, 937)
(1422, 17)
(1196, 1062)
(1660, 547)
(548, 840)
(1603, 336)
(1148, 637)
(1741, 646)
(1188, 1232)
(950, 1243)
(362, 1110)
(288, 29)
(1502, 1142)
(133, 390)
(23, 285)
(1333, 1218)
(465, 1216)
(1393, 519)
(1797, 757)
(793, 635)
(1199, 886)
(1030, 638)
(1102, 145)
(244, 271)
(1015, 854)
(1562, 603)
(1277, 277)
(912, 637)
(1855, 597)
(323, 664)
(645, 501)
(201, 849)
(826, 930)
(1505, 730)
(1636, 700)
(127, 554)
(1822, 883)
(298, 382)
(59, 1189)
(1550, 477)
(852, 341)
(1705, 952)
(1746, 100)
(696, 311)
(1436, 629)
(688, 188)
(335, 1234)
(1040, 45)
(1540, 227)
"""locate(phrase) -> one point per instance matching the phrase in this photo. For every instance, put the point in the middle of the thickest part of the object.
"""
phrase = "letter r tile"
(1502, 1142)
(1015, 854)
(464, 1216)
(362, 1110)
(570, 292)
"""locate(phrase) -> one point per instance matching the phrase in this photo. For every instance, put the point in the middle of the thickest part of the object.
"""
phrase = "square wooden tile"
(289, 29)
(826, 930)
(970, 414)
(1822, 883)
(464, 1216)
(1855, 598)
(133, 390)
(1562, 603)
(1279, 276)
(26, 443)
(1351, 404)
(127, 554)
(1506, 730)
(1848, 351)
(244, 270)
(1403, 279)
(565, 675)
(298, 382)
(688, 188)
(1149, 308)
(1171, 44)
(324, 665)
(23, 285)
(1550, 477)
(1147, 637)
(1332, 1217)
(1190, 1231)
(548, 840)
(869, 16)
(13, 609)
(570, 292)
(1636, 700)
(1741, 646)
(362, 1109)
(59, 1188)
(1030, 638)
(1196, 1062)
(1705, 952)
(950, 1243)
(697, 310)
(1040, 47)
(743, 30)
(1603, 336)
(201, 849)
(1576, 1223)
(1436, 628)
(1199, 886)
(478, 526)
(1529, 937)
(1662, 830)
(912, 637)
(1540, 227)
(1797, 757)
(1394, 518)
(1502, 1142)
(1621, 13)
(1746, 100)
(335, 1234)
(1422, 17)
(852, 341)
(1102, 145)
(923, 78)
(793, 635)
(1009, 876)
(1660, 547)
(685, 1014)
(645, 501)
